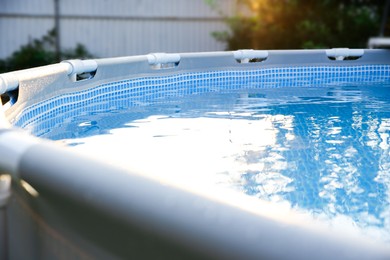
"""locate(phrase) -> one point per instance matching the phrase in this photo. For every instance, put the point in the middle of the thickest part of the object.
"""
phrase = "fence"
(115, 28)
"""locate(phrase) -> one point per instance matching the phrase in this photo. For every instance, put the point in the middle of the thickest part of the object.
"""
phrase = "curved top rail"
(133, 65)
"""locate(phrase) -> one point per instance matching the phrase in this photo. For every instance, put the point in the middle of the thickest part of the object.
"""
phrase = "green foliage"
(296, 24)
(40, 52)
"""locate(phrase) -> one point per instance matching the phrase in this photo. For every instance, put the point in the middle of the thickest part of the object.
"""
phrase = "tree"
(297, 24)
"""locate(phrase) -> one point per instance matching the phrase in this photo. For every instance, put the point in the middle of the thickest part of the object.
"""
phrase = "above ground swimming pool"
(245, 154)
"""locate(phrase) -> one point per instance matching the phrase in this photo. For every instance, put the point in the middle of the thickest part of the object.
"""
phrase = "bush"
(297, 24)
(41, 52)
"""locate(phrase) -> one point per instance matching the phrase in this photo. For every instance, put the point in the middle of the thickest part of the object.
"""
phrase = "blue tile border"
(143, 90)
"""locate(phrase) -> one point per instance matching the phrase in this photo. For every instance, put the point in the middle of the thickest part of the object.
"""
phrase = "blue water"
(325, 151)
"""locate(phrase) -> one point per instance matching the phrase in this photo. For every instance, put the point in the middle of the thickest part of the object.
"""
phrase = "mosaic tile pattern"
(143, 90)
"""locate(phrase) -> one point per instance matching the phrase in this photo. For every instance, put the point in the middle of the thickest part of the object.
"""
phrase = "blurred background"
(39, 32)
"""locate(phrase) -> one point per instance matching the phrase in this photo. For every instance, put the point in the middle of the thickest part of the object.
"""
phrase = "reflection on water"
(325, 151)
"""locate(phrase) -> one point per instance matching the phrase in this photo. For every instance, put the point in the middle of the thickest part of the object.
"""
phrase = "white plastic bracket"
(342, 53)
(246, 56)
(8, 82)
(163, 60)
(378, 42)
(77, 67)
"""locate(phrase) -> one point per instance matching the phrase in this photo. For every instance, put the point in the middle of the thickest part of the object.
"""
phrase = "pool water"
(324, 151)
